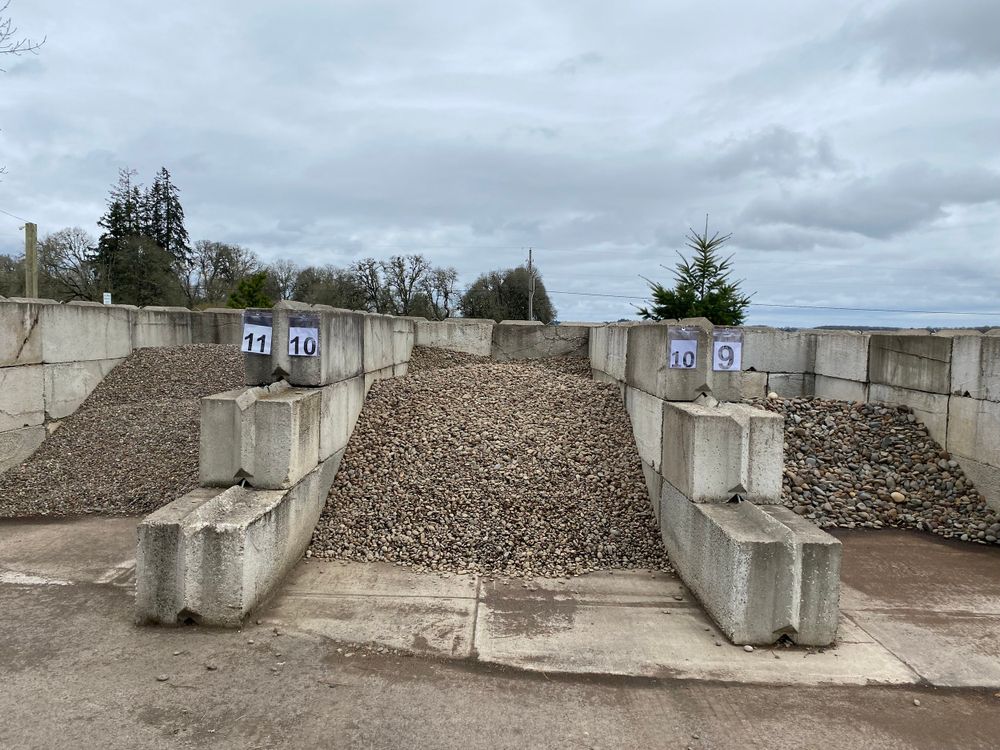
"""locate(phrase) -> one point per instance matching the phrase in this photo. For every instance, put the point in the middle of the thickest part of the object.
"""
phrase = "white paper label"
(107, 298)
(303, 342)
(727, 355)
(256, 339)
(683, 354)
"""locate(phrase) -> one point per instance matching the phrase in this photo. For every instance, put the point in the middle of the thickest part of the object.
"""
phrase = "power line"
(15, 216)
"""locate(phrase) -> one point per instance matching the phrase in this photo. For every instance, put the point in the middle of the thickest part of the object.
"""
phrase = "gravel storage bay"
(505, 469)
(132, 446)
(853, 465)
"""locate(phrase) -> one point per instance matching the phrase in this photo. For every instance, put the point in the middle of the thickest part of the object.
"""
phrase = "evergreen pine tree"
(250, 292)
(702, 288)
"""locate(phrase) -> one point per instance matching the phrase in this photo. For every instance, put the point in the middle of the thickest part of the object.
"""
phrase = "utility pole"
(531, 288)
(30, 260)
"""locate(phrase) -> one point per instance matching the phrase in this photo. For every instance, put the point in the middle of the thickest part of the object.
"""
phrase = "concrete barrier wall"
(269, 453)
(950, 379)
(508, 340)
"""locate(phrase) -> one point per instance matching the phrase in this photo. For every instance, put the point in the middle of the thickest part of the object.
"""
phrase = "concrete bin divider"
(21, 342)
(842, 355)
(378, 342)
(217, 325)
(213, 555)
(342, 403)
(469, 335)
(930, 408)
(161, 326)
(791, 384)
(839, 389)
(68, 384)
(17, 445)
(403, 336)
(647, 364)
(227, 437)
(514, 340)
(975, 367)
(646, 415)
(773, 350)
(917, 363)
(78, 332)
(22, 390)
(286, 437)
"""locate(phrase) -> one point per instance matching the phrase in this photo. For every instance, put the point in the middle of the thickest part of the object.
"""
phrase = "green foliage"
(250, 292)
(329, 285)
(702, 288)
(503, 295)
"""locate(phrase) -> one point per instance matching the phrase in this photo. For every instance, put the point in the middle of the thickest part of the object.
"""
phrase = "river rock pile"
(854, 465)
(132, 446)
(499, 469)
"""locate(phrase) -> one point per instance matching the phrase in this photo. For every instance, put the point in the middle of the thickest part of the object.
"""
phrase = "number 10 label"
(683, 353)
(303, 342)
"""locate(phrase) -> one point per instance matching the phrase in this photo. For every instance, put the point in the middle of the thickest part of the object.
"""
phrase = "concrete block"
(383, 374)
(21, 342)
(602, 377)
(68, 384)
(22, 402)
(342, 403)
(711, 454)
(646, 414)
(457, 335)
(609, 349)
(161, 326)
(985, 478)
(378, 345)
(217, 325)
(654, 487)
(76, 332)
(513, 341)
(17, 445)
(817, 558)
(792, 384)
(975, 367)
(211, 557)
(758, 578)
(227, 437)
(930, 408)
(647, 367)
(841, 354)
(771, 350)
(341, 348)
(840, 390)
(400, 370)
(403, 337)
(286, 437)
(973, 429)
(917, 363)
(740, 385)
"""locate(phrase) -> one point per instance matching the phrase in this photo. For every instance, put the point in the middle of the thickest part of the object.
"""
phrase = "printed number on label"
(256, 339)
(303, 342)
(728, 355)
(683, 354)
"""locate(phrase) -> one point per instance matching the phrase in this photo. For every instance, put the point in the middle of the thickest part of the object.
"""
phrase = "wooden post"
(30, 260)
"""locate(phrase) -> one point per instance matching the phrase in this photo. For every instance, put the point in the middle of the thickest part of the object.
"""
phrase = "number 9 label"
(727, 355)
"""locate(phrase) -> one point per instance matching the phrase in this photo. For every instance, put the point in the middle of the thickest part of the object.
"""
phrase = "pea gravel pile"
(502, 469)
(132, 446)
(427, 358)
(874, 466)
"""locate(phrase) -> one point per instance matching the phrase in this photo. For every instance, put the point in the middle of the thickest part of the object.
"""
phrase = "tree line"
(144, 256)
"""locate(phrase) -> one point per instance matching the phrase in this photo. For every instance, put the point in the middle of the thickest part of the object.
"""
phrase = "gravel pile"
(427, 358)
(132, 446)
(492, 468)
(854, 465)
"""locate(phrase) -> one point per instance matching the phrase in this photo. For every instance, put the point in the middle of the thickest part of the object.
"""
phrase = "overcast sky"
(853, 149)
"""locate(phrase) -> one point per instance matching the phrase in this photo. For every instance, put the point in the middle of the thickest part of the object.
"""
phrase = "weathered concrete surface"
(840, 390)
(286, 437)
(752, 572)
(917, 363)
(227, 436)
(985, 478)
(213, 556)
(945, 627)
(930, 408)
(646, 415)
(841, 354)
(737, 386)
(457, 334)
(974, 429)
(17, 445)
(76, 331)
(67, 385)
(22, 400)
(378, 343)
(403, 338)
(161, 326)
(647, 365)
(217, 325)
(975, 367)
(21, 342)
(712, 453)
(772, 350)
(608, 349)
(791, 384)
(512, 341)
(341, 405)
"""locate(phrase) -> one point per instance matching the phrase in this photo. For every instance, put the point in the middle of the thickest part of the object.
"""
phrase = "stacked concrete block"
(469, 335)
(68, 384)
(227, 437)
(217, 325)
(916, 363)
(23, 390)
(841, 365)
(646, 415)
(975, 367)
(341, 406)
(791, 384)
(774, 351)
(82, 331)
(514, 340)
(647, 365)
(161, 326)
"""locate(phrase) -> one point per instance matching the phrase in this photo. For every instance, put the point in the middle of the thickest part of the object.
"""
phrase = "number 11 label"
(256, 336)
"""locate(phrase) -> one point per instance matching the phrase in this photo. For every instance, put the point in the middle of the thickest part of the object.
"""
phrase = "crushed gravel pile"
(492, 468)
(132, 446)
(874, 466)
(424, 358)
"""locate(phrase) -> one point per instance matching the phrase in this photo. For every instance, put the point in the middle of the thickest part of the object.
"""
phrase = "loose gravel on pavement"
(132, 446)
(503, 469)
(853, 465)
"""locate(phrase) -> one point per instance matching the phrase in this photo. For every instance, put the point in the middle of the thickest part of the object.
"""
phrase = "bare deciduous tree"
(65, 265)
(440, 288)
(404, 277)
(281, 275)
